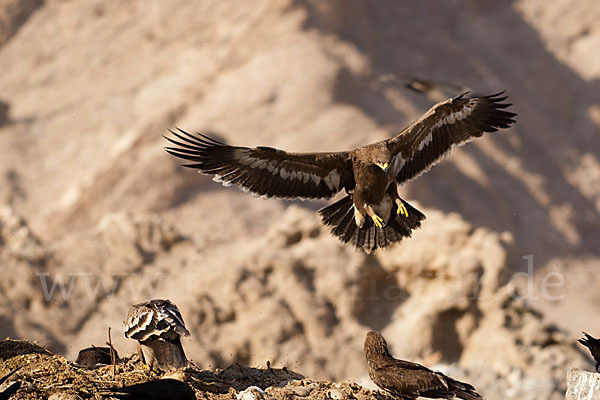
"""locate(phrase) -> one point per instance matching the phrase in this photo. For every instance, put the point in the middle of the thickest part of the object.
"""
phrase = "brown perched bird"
(593, 345)
(93, 357)
(159, 389)
(372, 215)
(407, 379)
(157, 325)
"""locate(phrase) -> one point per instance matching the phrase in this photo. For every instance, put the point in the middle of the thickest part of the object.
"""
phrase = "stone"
(251, 393)
(582, 385)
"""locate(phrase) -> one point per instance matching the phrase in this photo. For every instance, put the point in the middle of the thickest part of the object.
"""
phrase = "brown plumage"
(410, 380)
(593, 345)
(92, 357)
(157, 325)
(372, 215)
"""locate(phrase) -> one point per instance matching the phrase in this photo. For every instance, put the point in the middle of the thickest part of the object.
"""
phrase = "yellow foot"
(377, 221)
(401, 208)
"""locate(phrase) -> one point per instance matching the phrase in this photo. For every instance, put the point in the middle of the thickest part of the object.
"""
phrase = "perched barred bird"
(168, 389)
(410, 380)
(593, 345)
(372, 215)
(157, 325)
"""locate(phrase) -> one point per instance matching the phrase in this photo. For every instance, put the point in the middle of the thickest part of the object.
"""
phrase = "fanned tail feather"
(340, 217)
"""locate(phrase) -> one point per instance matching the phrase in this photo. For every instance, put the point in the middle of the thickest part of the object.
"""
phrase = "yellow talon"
(377, 221)
(402, 209)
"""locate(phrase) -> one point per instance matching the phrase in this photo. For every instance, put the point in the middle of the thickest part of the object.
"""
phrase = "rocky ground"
(44, 375)
(95, 216)
(303, 301)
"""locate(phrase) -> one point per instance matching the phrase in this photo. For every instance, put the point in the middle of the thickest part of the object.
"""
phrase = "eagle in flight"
(372, 215)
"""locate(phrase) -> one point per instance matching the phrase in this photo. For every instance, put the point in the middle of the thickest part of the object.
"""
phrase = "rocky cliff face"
(293, 296)
(91, 200)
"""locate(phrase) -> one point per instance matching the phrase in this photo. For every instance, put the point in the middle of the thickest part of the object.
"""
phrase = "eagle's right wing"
(453, 122)
(265, 171)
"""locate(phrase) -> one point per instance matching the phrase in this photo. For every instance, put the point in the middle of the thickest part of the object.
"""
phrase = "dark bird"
(171, 389)
(593, 345)
(410, 380)
(372, 215)
(157, 325)
(12, 388)
(92, 357)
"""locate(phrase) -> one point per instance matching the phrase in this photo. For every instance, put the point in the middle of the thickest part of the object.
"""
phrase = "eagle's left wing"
(447, 124)
(153, 318)
(265, 171)
(401, 380)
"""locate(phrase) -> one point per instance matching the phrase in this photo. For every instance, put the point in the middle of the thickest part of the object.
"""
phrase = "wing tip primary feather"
(198, 138)
(460, 96)
(503, 118)
(500, 93)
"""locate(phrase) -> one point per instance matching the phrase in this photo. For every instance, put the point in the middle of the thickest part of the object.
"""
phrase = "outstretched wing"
(265, 171)
(447, 124)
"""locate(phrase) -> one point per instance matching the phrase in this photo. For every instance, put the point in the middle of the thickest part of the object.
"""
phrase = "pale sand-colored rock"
(582, 385)
(91, 87)
(64, 396)
(92, 95)
(298, 298)
(13, 14)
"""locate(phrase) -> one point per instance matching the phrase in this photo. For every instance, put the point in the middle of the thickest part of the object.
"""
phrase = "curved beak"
(383, 166)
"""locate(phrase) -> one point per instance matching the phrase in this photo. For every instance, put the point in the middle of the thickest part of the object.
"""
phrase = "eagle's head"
(375, 346)
(377, 154)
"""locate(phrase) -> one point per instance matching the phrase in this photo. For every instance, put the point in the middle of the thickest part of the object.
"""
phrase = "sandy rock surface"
(43, 375)
(95, 216)
(301, 299)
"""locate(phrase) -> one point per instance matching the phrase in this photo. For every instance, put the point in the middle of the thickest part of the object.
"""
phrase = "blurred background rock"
(90, 199)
